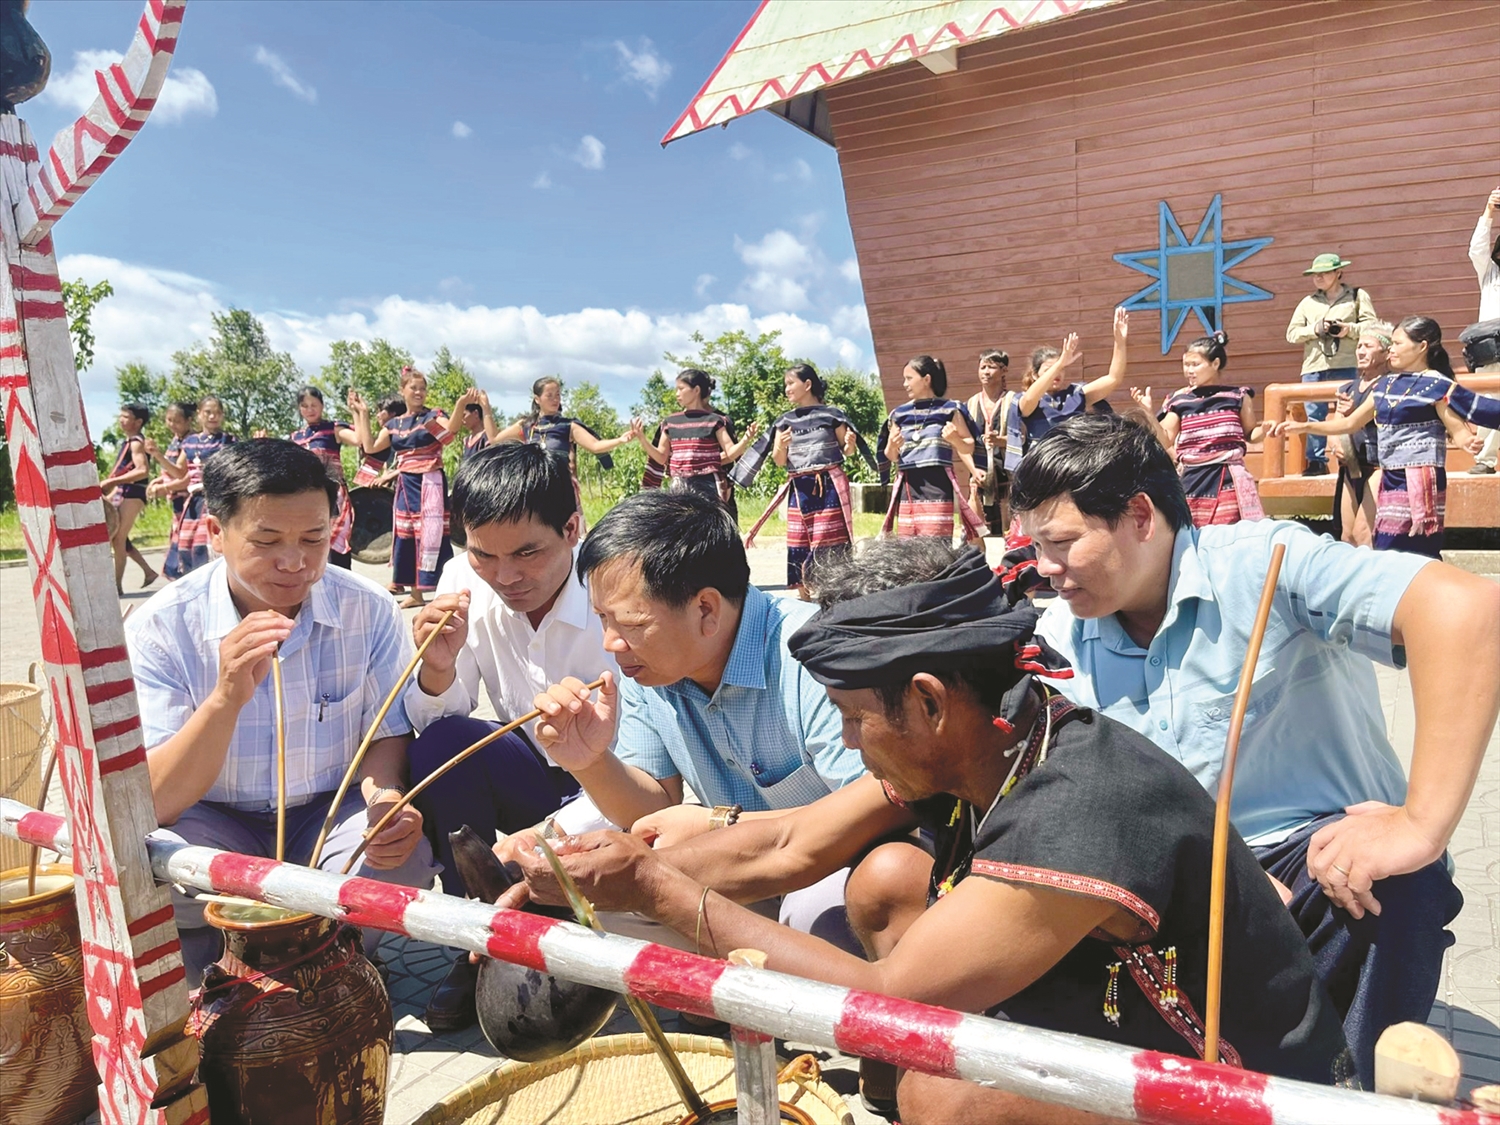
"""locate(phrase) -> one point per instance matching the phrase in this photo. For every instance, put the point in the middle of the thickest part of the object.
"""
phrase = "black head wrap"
(964, 616)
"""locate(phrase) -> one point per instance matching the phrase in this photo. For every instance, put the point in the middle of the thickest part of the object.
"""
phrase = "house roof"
(791, 49)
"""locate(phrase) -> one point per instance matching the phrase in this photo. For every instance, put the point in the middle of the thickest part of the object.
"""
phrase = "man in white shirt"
(523, 622)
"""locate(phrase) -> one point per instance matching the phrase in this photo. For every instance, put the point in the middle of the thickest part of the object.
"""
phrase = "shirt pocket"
(802, 786)
(334, 728)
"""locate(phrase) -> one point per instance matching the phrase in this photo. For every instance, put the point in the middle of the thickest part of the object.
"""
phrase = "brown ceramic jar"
(294, 1023)
(46, 1070)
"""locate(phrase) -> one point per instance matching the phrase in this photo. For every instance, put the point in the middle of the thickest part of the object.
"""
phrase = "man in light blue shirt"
(1155, 616)
(710, 698)
(201, 653)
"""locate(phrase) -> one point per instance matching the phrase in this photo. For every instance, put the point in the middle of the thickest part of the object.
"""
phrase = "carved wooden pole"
(133, 971)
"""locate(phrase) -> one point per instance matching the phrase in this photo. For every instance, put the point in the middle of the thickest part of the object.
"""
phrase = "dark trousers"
(1379, 970)
(1317, 444)
(507, 786)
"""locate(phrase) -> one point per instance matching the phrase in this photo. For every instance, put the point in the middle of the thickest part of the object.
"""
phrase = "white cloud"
(700, 287)
(185, 93)
(849, 267)
(155, 312)
(542, 181)
(799, 171)
(282, 75)
(738, 151)
(590, 153)
(643, 66)
(460, 130)
(781, 264)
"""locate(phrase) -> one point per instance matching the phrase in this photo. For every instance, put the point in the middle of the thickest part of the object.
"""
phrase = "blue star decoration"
(1192, 275)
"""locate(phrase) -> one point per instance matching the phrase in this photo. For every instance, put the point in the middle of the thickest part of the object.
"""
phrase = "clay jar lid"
(54, 883)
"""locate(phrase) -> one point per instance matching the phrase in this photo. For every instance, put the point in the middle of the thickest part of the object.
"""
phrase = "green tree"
(374, 372)
(447, 379)
(658, 399)
(749, 372)
(79, 301)
(858, 394)
(256, 384)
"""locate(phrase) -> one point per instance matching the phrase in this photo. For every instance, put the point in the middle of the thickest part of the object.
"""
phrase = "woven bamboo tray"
(612, 1080)
(23, 735)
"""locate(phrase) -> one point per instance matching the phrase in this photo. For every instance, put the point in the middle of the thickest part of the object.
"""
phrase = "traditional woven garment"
(419, 514)
(1211, 454)
(171, 565)
(473, 444)
(695, 459)
(321, 437)
(1055, 408)
(124, 462)
(193, 547)
(1413, 446)
(820, 513)
(371, 466)
(925, 491)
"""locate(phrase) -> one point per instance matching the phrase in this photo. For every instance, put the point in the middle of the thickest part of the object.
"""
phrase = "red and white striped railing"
(1048, 1066)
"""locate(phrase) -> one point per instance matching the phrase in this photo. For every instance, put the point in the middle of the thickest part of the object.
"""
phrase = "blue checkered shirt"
(344, 656)
(768, 738)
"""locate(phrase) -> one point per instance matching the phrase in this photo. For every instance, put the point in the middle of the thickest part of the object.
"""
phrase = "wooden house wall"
(986, 204)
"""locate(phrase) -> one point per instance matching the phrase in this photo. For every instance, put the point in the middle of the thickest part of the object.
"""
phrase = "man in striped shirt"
(202, 649)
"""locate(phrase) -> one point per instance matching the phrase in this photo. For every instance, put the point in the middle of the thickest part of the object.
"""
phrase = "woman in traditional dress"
(697, 443)
(988, 407)
(1413, 422)
(1357, 454)
(125, 489)
(1206, 427)
(480, 429)
(323, 436)
(193, 546)
(179, 418)
(921, 438)
(375, 468)
(810, 442)
(420, 546)
(1050, 399)
(548, 427)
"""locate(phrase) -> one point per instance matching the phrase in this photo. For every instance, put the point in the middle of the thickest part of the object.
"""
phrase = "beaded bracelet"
(723, 816)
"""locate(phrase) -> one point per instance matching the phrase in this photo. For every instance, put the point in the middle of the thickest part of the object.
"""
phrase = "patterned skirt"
(419, 529)
(1409, 510)
(343, 523)
(1220, 493)
(171, 565)
(816, 519)
(191, 536)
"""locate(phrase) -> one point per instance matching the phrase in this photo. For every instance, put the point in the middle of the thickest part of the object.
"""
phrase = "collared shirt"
(347, 650)
(768, 737)
(514, 662)
(1314, 739)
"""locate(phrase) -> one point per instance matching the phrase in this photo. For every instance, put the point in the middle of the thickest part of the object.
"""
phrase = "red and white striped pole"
(1048, 1066)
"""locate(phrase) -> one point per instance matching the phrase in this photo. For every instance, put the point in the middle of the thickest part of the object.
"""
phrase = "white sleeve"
(581, 815)
(1479, 246)
(462, 696)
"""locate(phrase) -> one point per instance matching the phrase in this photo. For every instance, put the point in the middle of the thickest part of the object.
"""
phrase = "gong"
(370, 538)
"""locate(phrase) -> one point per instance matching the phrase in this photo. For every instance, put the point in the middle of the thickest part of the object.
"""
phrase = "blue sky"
(487, 176)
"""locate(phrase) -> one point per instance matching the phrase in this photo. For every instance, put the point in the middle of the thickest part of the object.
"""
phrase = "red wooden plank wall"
(986, 204)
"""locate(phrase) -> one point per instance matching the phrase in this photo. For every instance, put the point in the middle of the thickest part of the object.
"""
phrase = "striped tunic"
(694, 435)
(1413, 447)
(1211, 454)
(124, 462)
(322, 438)
(925, 494)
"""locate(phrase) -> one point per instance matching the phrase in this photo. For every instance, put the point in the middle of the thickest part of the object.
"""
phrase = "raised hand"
(1144, 398)
(783, 442)
(357, 402)
(1492, 205)
(1072, 348)
(442, 656)
(1122, 325)
(574, 730)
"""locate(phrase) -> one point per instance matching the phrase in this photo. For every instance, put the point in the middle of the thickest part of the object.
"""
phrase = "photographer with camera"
(1327, 325)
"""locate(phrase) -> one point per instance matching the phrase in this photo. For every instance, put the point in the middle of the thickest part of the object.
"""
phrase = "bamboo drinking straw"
(359, 755)
(280, 757)
(1221, 811)
(442, 769)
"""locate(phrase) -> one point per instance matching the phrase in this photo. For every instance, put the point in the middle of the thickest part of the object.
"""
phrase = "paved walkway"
(426, 1067)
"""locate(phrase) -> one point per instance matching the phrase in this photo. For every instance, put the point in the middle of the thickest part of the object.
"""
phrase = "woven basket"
(23, 734)
(612, 1080)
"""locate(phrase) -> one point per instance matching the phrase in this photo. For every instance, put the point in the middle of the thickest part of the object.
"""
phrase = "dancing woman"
(696, 442)
(810, 442)
(921, 438)
(480, 429)
(1206, 426)
(1413, 421)
(193, 546)
(375, 468)
(548, 427)
(1050, 399)
(125, 489)
(323, 437)
(419, 516)
(179, 419)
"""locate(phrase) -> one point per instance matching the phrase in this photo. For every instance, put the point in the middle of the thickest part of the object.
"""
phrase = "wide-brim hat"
(1326, 263)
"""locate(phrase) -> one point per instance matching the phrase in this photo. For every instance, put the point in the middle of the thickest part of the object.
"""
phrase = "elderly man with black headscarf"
(1069, 886)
